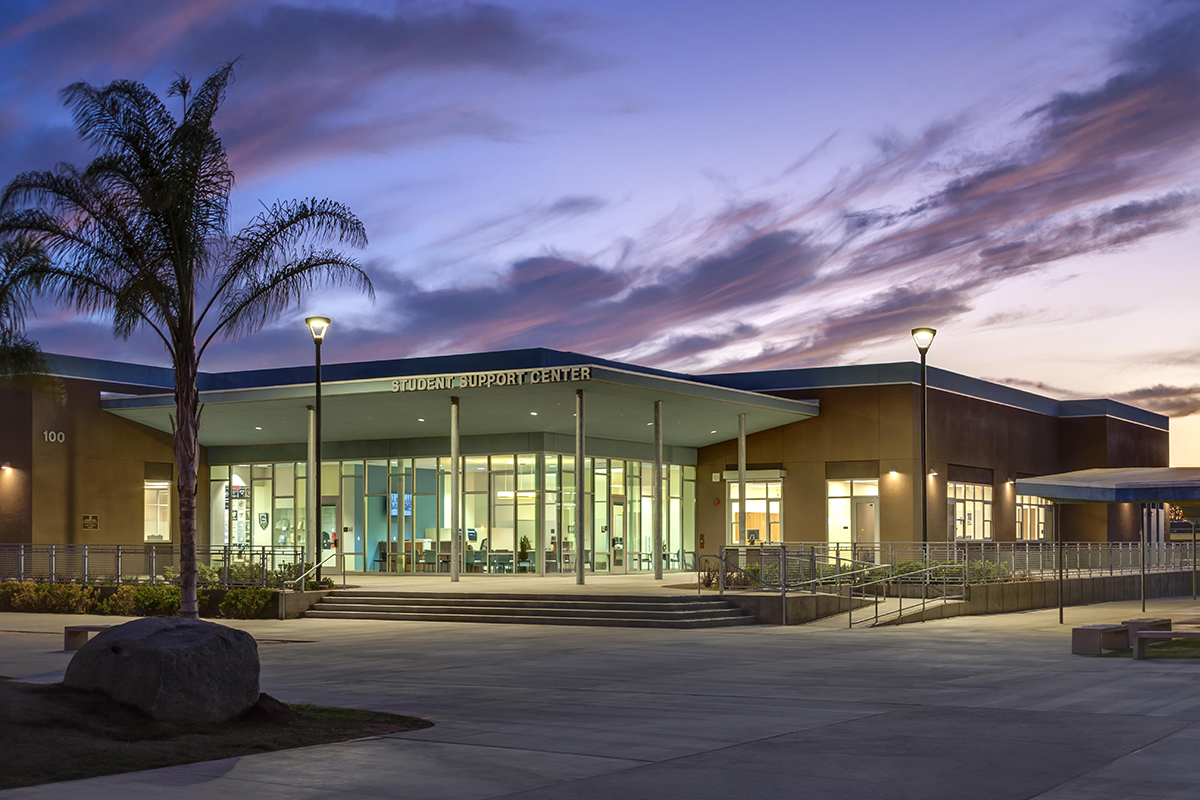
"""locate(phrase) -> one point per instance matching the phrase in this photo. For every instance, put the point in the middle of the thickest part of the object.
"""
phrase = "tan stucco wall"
(99, 468)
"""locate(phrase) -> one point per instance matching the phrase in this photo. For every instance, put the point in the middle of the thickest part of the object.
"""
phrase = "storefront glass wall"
(518, 512)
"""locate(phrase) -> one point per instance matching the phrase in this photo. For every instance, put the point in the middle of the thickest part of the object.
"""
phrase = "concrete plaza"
(971, 707)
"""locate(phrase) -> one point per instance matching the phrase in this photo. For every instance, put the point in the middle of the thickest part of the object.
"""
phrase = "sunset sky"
(696, 185)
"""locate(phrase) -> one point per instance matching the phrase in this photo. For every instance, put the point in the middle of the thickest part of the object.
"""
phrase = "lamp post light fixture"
(923, 338)
(318, 326)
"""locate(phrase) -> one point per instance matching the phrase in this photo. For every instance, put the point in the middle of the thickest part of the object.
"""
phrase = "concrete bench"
(1141, 638)
(76, 636)
(1091, 640)
(1146, 624)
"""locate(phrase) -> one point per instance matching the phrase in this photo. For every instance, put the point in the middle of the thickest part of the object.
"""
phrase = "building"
(832, 455)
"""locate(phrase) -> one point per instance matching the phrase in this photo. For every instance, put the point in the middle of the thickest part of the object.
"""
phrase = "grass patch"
(52, 733)
(1172, 648)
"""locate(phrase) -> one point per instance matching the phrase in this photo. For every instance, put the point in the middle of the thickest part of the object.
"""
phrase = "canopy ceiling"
(619, 405)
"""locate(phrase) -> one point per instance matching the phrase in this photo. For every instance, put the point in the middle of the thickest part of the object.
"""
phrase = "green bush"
(48, 598)
(245, 603)
(157, 601)
(122, 602)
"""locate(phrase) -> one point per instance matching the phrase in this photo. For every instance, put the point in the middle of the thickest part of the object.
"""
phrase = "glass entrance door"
(329, 531)
(618, 536)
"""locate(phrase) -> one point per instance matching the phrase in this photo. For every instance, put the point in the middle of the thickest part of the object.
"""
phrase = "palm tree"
(20, 357)
(141, 233)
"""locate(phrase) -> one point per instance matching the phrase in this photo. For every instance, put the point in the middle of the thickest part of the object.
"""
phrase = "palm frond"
(277, 236)
(264, 297)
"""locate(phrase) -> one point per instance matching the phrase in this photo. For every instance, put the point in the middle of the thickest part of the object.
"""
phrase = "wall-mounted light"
(893, 472)
(1010, 481)
(6, 466)
(932, 472)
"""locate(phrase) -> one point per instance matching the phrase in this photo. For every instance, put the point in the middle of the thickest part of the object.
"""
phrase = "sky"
(699, 186)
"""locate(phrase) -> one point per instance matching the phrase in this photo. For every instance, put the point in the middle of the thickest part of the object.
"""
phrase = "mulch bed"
(52, 733)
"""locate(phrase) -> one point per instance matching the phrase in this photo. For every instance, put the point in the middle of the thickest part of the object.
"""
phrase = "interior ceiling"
(613, 410)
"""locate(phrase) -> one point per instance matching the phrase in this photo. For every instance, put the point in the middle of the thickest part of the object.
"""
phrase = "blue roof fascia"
(909, 372)
(111, 371)
(531, 358)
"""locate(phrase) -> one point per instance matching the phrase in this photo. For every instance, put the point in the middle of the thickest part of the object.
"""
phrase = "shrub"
(123, 602)
(245, 603)
(157, 601)
(48, 598)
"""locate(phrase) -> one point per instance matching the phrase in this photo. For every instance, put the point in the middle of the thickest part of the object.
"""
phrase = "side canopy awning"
(1178, 485)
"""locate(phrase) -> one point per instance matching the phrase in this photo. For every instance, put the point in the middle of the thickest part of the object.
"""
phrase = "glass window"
(218, 510)
(262, 471)
(1035, 518)
(218, 473)
(239, 505)
(866, 488)
(377, 477)
(968, 511)
(284, 479)
(158, 511)
(838, 488)
(764, 520)
(475, 474)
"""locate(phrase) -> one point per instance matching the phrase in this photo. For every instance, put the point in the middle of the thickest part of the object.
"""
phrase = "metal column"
(1193, 561)
(581, 514)
(455, 494)
(657, 493)
(1058, 546)
(742, 478)
(1142, 553)
(312, 541)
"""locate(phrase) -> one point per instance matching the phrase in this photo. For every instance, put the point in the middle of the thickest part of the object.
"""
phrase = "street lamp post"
(923, 337)
(318, 326)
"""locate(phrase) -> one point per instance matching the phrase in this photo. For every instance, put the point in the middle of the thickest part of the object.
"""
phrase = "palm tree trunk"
(187, 463)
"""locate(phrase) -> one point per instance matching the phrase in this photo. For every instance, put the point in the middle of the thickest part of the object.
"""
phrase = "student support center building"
(831, 455)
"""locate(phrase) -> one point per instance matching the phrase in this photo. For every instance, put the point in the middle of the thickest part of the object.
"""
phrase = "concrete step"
(583, 596)
(480, 607)
(635, 611)
(494, 601)
(529, 619)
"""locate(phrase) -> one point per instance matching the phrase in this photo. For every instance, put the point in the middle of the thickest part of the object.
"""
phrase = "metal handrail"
(902, 577)
(722, 580)
(298, 581)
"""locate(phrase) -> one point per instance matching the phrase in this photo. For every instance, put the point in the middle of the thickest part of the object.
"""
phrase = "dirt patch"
(52, 733)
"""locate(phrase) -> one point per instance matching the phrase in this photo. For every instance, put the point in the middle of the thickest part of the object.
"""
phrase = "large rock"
(173, 669)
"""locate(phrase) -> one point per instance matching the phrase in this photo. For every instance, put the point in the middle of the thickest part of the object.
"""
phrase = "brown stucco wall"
(881, 424)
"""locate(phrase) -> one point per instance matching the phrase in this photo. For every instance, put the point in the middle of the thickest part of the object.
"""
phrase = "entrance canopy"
(619, 405)
(1179, 485)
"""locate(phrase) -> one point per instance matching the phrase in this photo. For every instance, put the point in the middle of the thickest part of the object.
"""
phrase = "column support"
(581, 510)
(742, 478)
(1058, 546)
(455, 494)
(657, 493)
(312, 546)
(1142, 555)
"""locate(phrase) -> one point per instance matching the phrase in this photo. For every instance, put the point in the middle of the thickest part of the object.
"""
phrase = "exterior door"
(618, 537)
(330, 530)
(865, 519)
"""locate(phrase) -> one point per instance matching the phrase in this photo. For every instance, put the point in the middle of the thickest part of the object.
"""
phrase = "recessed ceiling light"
(420, 420)
(258, 427)
(533, 413)
(712, 431)
(649, 423)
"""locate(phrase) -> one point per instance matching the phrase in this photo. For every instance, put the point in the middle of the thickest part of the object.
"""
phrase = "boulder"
(172, 669)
